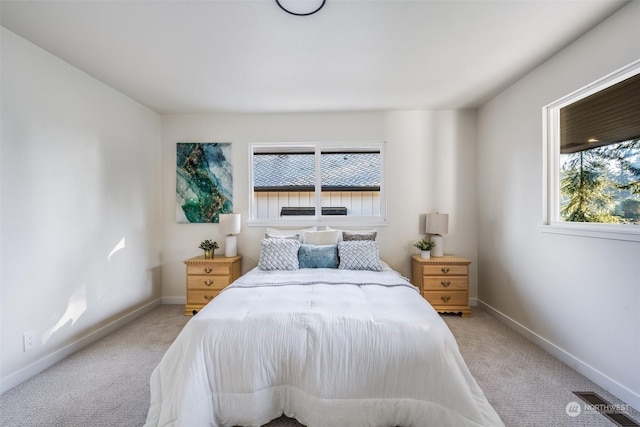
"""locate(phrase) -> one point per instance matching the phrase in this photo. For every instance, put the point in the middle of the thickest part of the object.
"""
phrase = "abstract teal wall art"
(204, 181)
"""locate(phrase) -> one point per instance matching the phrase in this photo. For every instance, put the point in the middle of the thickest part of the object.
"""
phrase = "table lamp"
(230, 226)
(437, 224)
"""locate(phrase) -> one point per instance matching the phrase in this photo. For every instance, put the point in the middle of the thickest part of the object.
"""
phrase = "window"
(327, 182)
(592, 158)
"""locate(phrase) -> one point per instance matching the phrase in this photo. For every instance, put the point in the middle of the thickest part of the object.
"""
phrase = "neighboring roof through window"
(341, 171)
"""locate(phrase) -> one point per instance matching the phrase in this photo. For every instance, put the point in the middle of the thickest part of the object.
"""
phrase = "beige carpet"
(107, 384)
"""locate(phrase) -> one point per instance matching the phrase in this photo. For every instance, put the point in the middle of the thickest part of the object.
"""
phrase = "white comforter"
(373, 353)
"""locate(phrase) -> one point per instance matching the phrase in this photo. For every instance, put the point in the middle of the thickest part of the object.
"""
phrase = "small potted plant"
(208, 246)
(425, 247)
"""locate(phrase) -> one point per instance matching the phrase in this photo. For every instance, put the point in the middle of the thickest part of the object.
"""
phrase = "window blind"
(607, 117)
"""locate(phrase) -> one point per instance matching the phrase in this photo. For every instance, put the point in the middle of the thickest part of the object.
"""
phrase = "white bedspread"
(373, 353)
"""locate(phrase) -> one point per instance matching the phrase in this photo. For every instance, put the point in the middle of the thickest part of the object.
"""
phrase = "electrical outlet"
(29, 340)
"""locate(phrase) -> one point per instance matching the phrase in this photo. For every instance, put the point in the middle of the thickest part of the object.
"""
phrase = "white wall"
(576, 296)
(80, 215)
(430, 166)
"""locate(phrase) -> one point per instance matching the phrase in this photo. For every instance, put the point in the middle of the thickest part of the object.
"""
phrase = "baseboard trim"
(620, 391)
(174, 300)
(51, 359)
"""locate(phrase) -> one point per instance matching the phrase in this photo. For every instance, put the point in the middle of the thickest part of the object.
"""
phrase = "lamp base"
(230, 246)
(438, 250)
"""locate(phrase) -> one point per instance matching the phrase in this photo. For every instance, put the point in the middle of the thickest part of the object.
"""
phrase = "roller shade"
(609, 116)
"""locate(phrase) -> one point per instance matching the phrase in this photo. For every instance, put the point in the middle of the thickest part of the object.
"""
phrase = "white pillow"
(276, 232)
(282, 236)
(359, 255)
(279, 254)
(325, 237)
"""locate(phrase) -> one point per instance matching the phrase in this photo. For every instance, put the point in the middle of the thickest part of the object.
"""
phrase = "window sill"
(629, 233)
(308, 222)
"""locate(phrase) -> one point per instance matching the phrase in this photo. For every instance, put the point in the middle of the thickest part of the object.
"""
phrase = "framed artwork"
(204, 181)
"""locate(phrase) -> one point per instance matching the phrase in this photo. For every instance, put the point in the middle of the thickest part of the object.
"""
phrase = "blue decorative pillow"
(318, 256)
(359, 255)
(279, 254)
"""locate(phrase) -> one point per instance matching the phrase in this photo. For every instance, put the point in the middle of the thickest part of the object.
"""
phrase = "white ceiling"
(250, 56)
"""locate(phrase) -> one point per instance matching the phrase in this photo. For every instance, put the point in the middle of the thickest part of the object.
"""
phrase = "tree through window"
(601, 184)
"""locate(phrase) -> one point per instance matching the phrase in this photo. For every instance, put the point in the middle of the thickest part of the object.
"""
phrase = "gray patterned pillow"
(359, 255)
(348, 236)
(279, 254)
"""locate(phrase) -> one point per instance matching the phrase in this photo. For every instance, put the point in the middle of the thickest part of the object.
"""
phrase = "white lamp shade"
(437, 223)
(229, 223)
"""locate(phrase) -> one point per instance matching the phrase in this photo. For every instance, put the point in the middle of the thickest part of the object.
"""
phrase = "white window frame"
(551, 166)
(318, 219)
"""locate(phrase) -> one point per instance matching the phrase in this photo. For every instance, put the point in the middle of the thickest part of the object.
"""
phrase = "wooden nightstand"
(207, 277)
(444, 282)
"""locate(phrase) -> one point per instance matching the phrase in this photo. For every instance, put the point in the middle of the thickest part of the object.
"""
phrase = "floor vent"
(612, 411)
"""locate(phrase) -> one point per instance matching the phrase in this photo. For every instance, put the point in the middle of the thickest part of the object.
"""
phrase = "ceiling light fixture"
(301, 8)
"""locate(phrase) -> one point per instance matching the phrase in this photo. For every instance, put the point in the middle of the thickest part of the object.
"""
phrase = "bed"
(326, 346)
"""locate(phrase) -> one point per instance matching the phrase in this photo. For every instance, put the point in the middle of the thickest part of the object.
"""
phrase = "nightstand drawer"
(213, 269)
(207, 282)
(446, 298)
(441, 283)
(201, 297)
(449, 270)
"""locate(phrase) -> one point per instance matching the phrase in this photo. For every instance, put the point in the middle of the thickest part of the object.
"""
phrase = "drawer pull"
(445, 270)
(445, 298)
(208, 282)
(208, 297)
(208, 270)
(445, 283)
